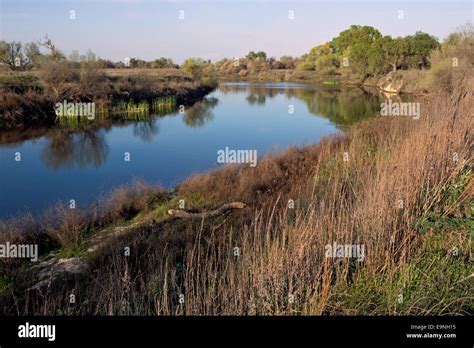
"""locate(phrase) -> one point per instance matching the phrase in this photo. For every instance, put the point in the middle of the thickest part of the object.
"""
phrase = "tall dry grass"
(67, 226)
(281, 252)
(270, 259)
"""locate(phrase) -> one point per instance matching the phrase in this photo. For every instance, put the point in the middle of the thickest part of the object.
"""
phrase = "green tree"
(194, 67)
(137, 63)
(323, 59)
(260, 55)
(32, 54)
(288, 62)
(162, 63)
(388, 54)
(420, 47)
(19, 57)
(355, 35)
(201, 70)
(355, 44)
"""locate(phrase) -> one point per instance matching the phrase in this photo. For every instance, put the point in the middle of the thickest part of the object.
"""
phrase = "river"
(41, 167)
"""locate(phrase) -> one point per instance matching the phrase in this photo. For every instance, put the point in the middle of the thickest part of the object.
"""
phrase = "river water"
(41, 167)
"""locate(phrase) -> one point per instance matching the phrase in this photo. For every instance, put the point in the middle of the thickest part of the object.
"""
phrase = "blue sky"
(213, 29)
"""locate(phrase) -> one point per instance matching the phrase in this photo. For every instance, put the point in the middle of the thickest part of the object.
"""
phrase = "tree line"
(361, 50)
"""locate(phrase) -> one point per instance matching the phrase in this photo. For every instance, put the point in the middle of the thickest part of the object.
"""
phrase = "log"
(225, 208)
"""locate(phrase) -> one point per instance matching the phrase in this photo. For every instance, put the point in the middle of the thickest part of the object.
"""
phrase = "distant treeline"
(358, 51)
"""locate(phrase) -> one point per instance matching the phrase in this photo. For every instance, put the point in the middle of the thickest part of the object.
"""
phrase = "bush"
(55, 75)
(305, 66)
(18, 83)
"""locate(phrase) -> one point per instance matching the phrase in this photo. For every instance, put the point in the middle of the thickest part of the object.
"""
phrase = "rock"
(51, 270)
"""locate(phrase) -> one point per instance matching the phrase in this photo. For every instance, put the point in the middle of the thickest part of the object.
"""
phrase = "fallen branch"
(219, 211)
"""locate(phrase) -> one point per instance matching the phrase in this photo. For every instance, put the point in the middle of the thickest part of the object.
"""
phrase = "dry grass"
(157, 73)
(270, 260)
(68, 226)
(29, 99)
(282, 251)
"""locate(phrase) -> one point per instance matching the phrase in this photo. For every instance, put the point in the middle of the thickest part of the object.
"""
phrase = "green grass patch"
(18, 82)
(435, 282)
(77, 250)
(330, 82)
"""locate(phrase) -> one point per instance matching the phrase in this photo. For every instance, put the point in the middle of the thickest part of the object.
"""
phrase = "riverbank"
(411, 210)
(399, 82)
(29, 99)
(160, 145)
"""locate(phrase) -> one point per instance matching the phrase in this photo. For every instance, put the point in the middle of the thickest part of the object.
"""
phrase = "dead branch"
(225, 208)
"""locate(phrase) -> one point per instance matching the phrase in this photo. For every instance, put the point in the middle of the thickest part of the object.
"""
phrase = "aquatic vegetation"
(127, 110)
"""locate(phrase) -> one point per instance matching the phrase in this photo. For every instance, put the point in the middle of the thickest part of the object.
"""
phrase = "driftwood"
(47, 271)
(225, 208)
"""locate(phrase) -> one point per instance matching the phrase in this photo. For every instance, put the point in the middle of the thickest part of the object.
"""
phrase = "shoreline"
(389, 83)
(109, 122)
(82, 241)
(29, 105)
(17, 110)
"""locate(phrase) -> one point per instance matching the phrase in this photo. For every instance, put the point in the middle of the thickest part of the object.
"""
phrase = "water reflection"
(341, 105)
(87, 145)
(146, 130)
(64, 149)
(200, 113)
(168, 148)
(342, 108)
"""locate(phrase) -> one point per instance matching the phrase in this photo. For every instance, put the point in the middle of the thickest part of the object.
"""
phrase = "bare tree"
(51, 47)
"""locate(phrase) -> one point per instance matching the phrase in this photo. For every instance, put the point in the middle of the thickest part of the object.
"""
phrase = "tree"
(19, 57)
(355, 44)
(260, 55)
(420, 46)
(388, 54)
(163, 63)
(32, 53)
(137, 63)
(194, 67)
(288, 62)
(379, 56)
(355, 35)
(106, 63)
(305, 65)
(9, 52)
(201, 70)
(322, 59)
(51, 47)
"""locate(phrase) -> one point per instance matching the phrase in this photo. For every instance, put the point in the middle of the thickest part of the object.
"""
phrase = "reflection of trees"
(256, 94)
(256, 98)
(146, 130)
(64, 149)
(342, 105)
(200, 113)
